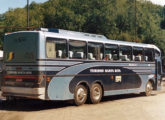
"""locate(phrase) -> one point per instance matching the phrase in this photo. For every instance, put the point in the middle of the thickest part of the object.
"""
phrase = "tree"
(113, 18)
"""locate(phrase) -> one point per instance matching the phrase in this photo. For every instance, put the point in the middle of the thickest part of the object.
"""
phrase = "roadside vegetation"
(116, 19)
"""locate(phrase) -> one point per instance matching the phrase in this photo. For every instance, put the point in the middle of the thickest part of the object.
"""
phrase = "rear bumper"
(36, 93)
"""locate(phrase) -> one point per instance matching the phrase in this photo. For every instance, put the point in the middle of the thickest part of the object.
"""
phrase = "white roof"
(66, 34)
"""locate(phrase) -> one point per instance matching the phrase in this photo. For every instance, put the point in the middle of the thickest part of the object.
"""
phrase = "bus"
(56, 64)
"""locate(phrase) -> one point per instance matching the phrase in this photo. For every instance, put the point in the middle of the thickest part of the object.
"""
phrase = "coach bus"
(55, 64)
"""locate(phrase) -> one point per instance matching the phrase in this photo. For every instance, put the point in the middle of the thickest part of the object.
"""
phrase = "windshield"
(21, 47)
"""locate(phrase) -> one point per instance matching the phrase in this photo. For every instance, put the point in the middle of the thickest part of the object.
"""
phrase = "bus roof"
(66, 34)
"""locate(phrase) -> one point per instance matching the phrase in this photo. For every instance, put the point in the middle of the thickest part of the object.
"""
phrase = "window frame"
(118, 48)
(86, 46)
(54, 39)
(103, 45)
(142, 53)
(130, 54)
(157, 52)
(153, 54)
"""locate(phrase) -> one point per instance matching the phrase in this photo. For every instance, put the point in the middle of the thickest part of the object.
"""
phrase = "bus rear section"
(21, 76)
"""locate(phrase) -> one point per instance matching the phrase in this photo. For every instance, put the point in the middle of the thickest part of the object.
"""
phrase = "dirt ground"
(123, 107)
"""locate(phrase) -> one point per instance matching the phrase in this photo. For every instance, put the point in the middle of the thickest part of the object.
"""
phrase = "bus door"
(158, 73)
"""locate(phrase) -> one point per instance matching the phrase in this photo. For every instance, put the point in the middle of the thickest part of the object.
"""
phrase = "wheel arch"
(84, 83)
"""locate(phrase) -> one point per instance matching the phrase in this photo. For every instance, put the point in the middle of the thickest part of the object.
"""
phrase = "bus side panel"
(62, 85)
(112, 78)
(57, 86)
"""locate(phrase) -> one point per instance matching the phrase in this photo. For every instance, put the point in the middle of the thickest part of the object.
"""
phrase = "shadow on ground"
(32, 105)
(38, 105)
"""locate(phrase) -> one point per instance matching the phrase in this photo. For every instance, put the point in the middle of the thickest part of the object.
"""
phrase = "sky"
(159, 2)
(6, 4)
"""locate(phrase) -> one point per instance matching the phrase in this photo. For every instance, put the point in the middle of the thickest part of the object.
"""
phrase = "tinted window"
(125, 53)
(21, 47)
(138, 54)
(95, 51)
(148, 54)
(111, 52)
(77, 49)
(157, 53)
(56, 48)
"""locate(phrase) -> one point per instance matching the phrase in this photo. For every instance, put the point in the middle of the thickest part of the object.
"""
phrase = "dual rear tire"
(96, 93)
(81, 94)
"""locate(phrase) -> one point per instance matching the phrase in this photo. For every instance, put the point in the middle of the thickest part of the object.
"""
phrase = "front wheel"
(96, 93)
(80, 95)
(148, 89)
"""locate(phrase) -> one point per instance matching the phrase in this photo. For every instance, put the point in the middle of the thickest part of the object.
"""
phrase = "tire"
(148, 89)
(96, 93)
(80, 95)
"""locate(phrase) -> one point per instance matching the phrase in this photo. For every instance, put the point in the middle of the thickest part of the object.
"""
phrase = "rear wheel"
(96, 93)
(148, 89)
(80, 95)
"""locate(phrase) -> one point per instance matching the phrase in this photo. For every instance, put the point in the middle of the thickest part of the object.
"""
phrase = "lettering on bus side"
(105, 71)
(111, 77)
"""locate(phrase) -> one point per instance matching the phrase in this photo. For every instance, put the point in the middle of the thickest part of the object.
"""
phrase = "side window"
(95, 51)
(77, 49)
(56, 48)
(148, 54)
(138, 54)
(111, 52)
(157, 53)
(125, 53)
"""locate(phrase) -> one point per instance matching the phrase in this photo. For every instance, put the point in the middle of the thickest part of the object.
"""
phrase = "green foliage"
(115, 19)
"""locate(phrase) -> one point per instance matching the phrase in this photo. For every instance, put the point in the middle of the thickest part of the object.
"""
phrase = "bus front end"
(21, 77)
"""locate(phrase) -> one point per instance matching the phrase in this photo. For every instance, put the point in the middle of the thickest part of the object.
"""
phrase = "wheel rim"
(149, 88)
(81, 94)
(96, 93)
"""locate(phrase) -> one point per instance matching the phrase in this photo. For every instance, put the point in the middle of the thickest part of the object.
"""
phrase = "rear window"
(21, 47)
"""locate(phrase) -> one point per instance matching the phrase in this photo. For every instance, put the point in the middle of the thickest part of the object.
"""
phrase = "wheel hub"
(81, 94)
(149, 88)
(96, 93)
